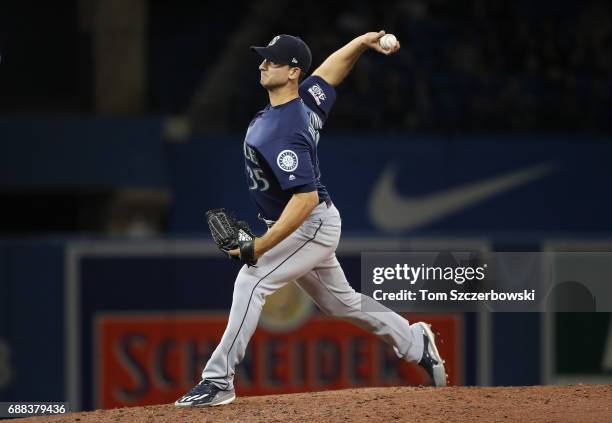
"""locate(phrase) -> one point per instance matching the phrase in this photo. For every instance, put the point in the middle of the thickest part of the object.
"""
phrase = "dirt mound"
(576, 403)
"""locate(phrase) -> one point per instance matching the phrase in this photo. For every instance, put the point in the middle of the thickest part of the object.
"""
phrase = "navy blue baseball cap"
(287, 50)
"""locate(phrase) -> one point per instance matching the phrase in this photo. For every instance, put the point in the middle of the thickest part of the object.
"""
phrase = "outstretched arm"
(338, 65)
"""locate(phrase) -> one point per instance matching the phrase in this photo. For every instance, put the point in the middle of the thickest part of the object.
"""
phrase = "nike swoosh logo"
(392, 212)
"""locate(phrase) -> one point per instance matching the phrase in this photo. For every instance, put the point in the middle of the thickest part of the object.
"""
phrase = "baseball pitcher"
(283, 176)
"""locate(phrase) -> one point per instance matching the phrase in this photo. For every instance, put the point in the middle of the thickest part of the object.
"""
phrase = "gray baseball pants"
(307, 257)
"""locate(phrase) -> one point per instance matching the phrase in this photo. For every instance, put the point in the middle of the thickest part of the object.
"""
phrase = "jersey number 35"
(257, 179)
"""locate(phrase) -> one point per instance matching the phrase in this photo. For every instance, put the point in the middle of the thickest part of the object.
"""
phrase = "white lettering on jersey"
(317, 93)
(250, 155)
(287, 160)
(314, 126)
(257, 177)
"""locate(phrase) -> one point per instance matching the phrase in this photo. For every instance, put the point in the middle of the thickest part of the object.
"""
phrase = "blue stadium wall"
(512, 193)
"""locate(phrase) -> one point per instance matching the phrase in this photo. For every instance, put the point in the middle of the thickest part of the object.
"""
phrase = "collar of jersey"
(284, 104)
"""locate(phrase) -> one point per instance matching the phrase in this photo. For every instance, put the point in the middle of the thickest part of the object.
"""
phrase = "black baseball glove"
(229, 233)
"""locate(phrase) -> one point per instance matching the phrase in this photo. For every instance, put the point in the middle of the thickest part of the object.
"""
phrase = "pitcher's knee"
(342, 308)
(352, 313)
(341, 312)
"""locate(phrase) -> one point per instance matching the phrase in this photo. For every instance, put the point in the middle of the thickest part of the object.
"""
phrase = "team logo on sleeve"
(317, 93)
(287, 160)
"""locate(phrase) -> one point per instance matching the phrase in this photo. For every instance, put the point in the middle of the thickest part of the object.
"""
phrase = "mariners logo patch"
(287, 160)
(317, 93)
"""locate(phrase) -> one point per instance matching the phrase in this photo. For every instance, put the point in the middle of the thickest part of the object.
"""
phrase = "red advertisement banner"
(154, 358)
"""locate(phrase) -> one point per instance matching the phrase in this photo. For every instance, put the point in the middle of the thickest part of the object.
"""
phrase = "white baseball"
(387, 41)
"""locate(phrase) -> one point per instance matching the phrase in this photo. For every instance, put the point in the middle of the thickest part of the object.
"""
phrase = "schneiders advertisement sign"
(152, 358)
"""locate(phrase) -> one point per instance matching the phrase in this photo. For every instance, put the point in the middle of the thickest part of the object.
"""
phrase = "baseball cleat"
(205, 394)
(431, 360)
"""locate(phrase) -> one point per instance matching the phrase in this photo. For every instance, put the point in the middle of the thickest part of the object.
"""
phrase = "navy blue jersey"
(280, 148)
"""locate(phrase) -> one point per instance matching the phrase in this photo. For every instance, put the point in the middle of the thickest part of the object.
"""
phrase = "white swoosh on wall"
(390, 211)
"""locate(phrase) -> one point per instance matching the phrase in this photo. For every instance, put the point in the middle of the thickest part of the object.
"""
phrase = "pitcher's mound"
(574, 403)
